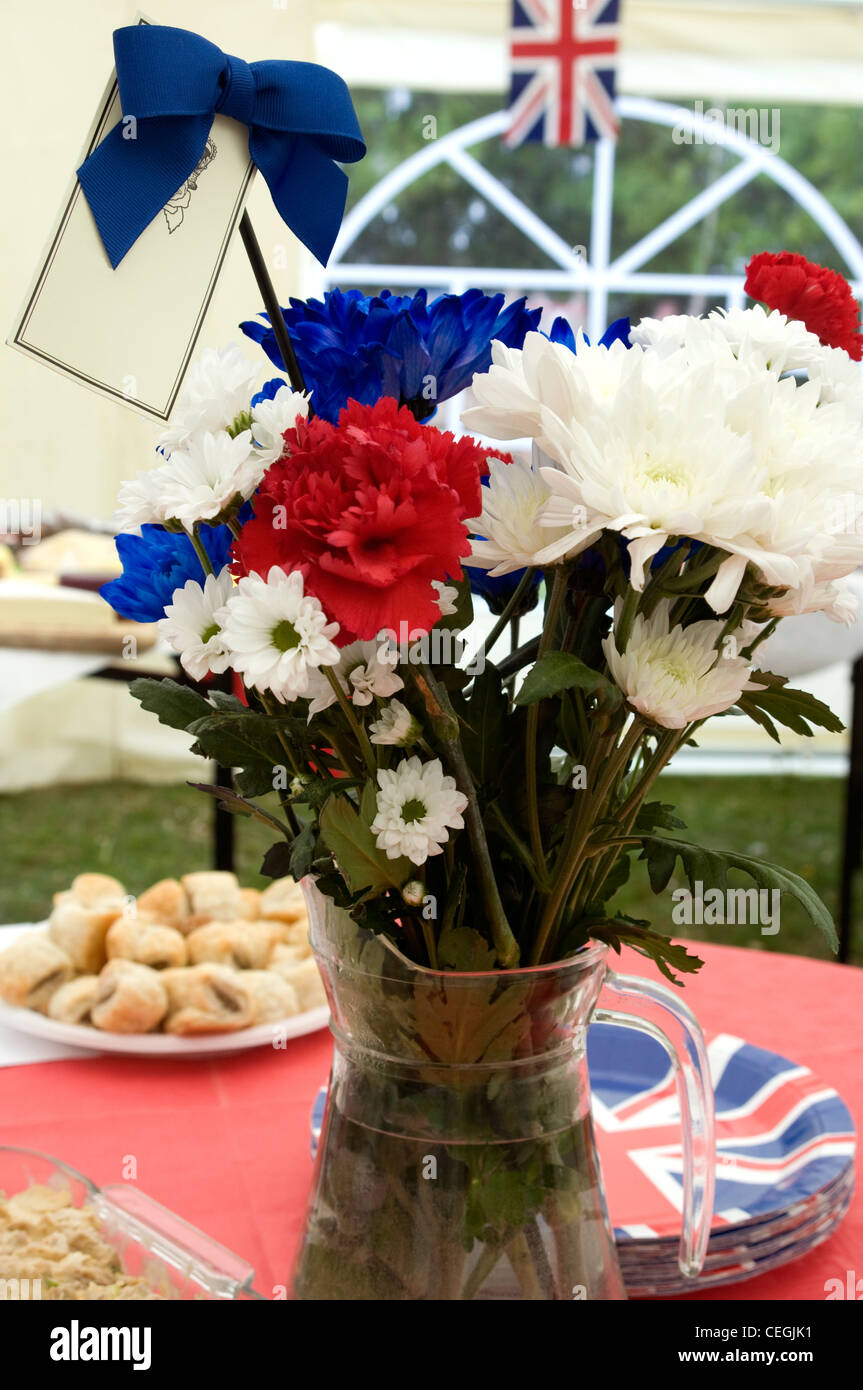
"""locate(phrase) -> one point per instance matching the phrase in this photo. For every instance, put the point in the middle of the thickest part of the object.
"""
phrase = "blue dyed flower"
(498, 590)
(155, 564)
(561, 332)
(352, 347)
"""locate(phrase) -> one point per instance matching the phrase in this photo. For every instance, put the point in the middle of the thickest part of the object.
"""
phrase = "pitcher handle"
(681, 1036)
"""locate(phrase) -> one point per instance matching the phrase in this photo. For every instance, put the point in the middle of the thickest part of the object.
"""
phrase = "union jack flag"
(563, 58)
(781, 1134)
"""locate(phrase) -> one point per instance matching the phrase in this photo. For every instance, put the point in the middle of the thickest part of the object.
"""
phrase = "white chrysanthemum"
(446, 597)
(270, 419)
(417, 806)
(364, 670)
(695, 443)
(395, 726)
(217, 390)
(209, 473)
(836, 600)
(190, 626)
(765, 340)
(676, 677)
(510, 536)
(142, 501)
(839, 379)
(277, 635)
(534, 390)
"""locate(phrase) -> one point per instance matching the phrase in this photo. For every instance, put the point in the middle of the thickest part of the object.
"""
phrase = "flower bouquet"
(464, 819)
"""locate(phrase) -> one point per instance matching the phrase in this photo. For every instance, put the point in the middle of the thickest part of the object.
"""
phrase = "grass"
(141, 833)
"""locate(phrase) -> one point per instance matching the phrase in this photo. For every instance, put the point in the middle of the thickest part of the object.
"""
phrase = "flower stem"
(508, 612)
(444, 718)
(200, 551)
(347, 710)
(549, 631)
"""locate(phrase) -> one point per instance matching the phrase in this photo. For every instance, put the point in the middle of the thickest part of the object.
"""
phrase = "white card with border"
(130, 333)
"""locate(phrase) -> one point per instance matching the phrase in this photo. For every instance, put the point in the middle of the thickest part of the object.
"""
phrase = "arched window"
(591, 270)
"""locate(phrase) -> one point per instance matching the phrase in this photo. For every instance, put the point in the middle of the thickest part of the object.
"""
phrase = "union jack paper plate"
(784, 1169)
(782, 1136)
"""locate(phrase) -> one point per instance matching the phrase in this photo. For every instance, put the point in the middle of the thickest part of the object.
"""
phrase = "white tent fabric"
(759, 50)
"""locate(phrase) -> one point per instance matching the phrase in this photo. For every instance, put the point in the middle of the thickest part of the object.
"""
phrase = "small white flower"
(446, 597)
(218, 388)
(364, 670)
(190, 626)
(396, 726)
(417, 805)
(678, 676)
(270, 419)
(510, 535)
(207, 474)
(277, 635)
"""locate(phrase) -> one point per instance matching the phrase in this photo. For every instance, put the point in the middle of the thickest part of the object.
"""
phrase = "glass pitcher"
(457, 1156)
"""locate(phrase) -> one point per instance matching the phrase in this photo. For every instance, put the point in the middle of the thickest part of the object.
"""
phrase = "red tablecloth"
(226, 1143)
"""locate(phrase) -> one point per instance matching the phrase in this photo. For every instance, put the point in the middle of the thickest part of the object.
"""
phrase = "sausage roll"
(31, 969)
(130, 999)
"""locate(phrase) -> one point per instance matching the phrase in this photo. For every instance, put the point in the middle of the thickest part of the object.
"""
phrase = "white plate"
(152, 1044)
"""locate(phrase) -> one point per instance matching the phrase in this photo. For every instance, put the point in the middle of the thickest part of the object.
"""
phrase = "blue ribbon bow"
(300, 118)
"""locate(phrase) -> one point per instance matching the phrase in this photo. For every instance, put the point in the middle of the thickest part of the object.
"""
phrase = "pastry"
(131, 998)
(207, 999)
(72, 1002)
(272, 997)
(80, 932)
(250, 904)
(93, 889)
(167, 903)
(213, 897)
(130, 938)
(304, 977)
(31, 969)
(285, 900)
(244, 945)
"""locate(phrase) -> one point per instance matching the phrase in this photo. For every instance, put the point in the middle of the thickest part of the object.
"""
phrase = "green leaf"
(462, 948)
(484, 725)
(303, 851)
(667, 955)
(176, 705)
(352, 843)
(795, 709)
(655, 815)
(277, 860)
(710, 867)
(557, 671)
(256, 779)
(238, 805)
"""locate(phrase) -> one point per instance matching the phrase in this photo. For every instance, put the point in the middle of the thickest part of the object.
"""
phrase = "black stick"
(271, 303)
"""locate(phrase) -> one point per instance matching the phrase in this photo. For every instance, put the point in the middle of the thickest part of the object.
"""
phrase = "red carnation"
(370, 511)
(800, 289)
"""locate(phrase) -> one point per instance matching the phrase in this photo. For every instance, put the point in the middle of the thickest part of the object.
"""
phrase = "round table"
(225, 1143)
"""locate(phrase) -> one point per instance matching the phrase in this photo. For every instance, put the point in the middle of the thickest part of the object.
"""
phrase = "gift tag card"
(130, 333)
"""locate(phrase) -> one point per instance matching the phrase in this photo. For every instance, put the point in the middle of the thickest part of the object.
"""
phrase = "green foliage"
(176, 705)
(558, 671)
(795, 709)
(352, 843)
(710, 867)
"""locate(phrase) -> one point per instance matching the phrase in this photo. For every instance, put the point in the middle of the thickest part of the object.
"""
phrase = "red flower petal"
(821, 298)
